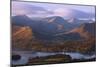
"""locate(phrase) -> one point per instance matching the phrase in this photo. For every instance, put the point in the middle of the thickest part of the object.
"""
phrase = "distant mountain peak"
(23, 16)
(21, 20)
(73, 20)
(55, 19)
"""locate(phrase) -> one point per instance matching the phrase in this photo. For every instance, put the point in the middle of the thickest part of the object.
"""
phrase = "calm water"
(25, 55)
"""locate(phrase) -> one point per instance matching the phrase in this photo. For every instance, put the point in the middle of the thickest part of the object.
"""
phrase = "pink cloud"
(63, 12)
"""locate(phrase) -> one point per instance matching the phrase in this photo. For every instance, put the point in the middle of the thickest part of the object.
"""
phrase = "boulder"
(16, 57)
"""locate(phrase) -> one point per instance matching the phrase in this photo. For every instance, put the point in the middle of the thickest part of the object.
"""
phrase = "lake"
(26, 55)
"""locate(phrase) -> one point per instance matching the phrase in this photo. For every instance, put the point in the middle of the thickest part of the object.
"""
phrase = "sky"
(35, 9)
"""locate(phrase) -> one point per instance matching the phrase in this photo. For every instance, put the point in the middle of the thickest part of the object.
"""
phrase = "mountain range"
(56, 27)
(53, 34)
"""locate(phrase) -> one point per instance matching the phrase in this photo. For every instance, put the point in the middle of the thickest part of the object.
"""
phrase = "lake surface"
(25, 55)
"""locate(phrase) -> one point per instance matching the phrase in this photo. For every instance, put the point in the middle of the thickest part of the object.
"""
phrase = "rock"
(16, 57)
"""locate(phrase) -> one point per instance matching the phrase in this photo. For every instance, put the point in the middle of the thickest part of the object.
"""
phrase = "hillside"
(21, 37)
(86, 31)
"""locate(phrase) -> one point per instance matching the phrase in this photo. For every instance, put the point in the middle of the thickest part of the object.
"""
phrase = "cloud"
(22, 8)
(63, 12)
(47, 10)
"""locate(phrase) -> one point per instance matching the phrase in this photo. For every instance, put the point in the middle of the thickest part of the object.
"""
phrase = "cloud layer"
(63, 12)
(45, 10)
(21, 8)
